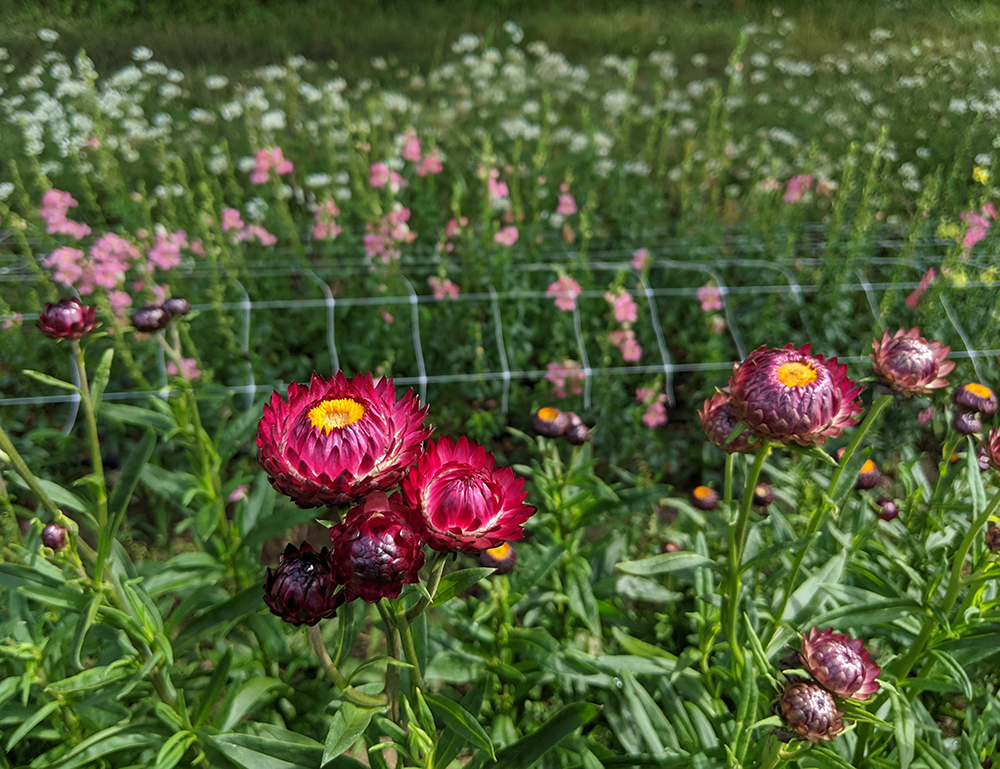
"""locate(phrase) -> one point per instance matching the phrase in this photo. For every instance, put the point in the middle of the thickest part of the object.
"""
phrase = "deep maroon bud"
(886, 509)
(54, 536)
(24, 526)
(670, 547)
(869, 477)
(66, 319)
(704, 498)
(975, 397)
(150, 318)
(988, 762)
(302, 589)
(378, 548)
(176, 306)
(910, 364)
(576, 432)
(549, 422)
(839, 663)
(810, 710)
(967, 423)
(502, 558)
(763, 494)
(719, 422)
(993, 538)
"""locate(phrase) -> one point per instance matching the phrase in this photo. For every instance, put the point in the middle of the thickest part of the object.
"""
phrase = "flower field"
(635, 411)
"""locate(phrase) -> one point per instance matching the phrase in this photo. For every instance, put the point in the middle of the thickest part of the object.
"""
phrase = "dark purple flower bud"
(549, 422)
(840, 664)
(967, 423)
(378, 548)
(670, 547)
(66, 319)
(176, 306)
(150, 318)
(763, 494)
(975, 397)
(993, 538)
(719, 421)
(501, 558)
(576, 432)
(810, 710)
(886, 509)
(302, 589)
(869, 477)
(704, 498)
(54, 536)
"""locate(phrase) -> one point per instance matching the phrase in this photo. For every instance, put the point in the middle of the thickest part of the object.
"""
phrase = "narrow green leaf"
(346, 728)
(958, 673)
(828, 758)
(461, 720)
(173, 749)
(129, 479)
(975, 478)
(101, 377)
(32, 721)
(210, 696)
(134, 415)
(112, 740)
(580, 593)
(83, 623)
(906, 728)
(251, 695)
(529, 749)
(454, 583)
(93, 678)
(666, 563)
(227, 612)
(451, 741)
(38, 376)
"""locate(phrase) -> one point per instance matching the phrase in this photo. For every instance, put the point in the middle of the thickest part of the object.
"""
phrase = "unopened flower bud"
(502, 558)
(549, 422)
(176, 306)
(810, 710)
(886, 509)
(150, 318)
(839, 663)
(993, 538)
(704, 498)
(670, 547)
(54, 536)
(967, 423)
(66, 319)
(577, 432)
(302, 589)
(763, 494)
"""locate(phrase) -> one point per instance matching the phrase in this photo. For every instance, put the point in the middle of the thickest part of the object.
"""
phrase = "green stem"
(409, 650)
(818, 516)
(350, 693)
(104, 535)
(432, 586)
(737, 535)
(392, 649)
(22, 469)
(950, 444)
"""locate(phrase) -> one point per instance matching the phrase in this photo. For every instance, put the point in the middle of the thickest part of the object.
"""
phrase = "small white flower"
(142, 53)
(318, 180)
(6, 188)
(699, 60)
(48, 35)
(215, 82)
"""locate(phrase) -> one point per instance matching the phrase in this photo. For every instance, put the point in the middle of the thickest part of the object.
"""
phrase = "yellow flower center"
(796, 374)
(500, 551)
(548, 414)
(335, 414)
(702, 492)
(868, 467)
(979, 390)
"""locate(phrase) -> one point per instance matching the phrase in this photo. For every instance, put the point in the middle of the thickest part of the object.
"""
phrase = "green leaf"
(210, 696)
(975, 476)
(38, 376)
(173, 749)
(346, 728)
(93, 678)
(106, 742)
(251, 695)
(83, 624)
(32, 721)
(253, 752)
(125, 487)
(905, 729)
(101, 377)
(580, 593)
(229, 611)
(828, 758)
(454, 583)
(958, 673)
(134, 415)
(538, 568)
(869, 614)
(63, 499)
(747, 711)
(666, 563)
(451, 742)
(461, 721)
(529, 749)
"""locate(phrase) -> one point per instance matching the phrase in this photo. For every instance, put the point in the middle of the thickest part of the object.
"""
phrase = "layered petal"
(910, 364)
(840, 664)
(336, 440)
(810, 711)
(719, 421)
(66, 319)
(302, 590)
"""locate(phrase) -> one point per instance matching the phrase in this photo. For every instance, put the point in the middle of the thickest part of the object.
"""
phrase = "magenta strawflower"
(787, 394)
(810, 710)
(839, 663)
(67, 319)
(910, 364)
(377, 549)
(302, 589)
(991, 449)
(465, 501)
(338, 439)
(719, 421)
(886, 509)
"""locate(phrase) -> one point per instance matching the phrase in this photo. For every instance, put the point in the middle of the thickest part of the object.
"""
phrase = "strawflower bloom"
(787, 394)
(974, 397)
(704, 498)
(302, 589)
(869, 477)
(377, 549)
(550, 422)
(910, 364)
(839, 663)
(503, 557)
(719, 421)
(466, 502)
(66, 319)
(336, 440)
(565, 290)
(886, 509)
(810, 710)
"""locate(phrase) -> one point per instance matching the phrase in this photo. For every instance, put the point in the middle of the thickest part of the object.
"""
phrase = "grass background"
(227, 36)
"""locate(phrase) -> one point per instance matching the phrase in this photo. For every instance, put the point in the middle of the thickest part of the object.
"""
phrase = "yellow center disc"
(868, 466)
(702, 492)
(336, 414)
(500, 551)
(548, 414)
(979, 390)
(796, 374)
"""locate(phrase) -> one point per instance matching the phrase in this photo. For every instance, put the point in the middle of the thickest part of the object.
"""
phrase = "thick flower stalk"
(910, 364)
(719, 421)
(810, 711)
(840, 664)
(377, 549)
(302, 590)
(338, 440)
(66, 319)
(465, 501)
(788, 394)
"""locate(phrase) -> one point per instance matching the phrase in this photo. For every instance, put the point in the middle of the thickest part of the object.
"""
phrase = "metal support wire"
(247, 308)
(74, 398)
(331, 304)
(417, 348)
(502, 349)
(654, 316)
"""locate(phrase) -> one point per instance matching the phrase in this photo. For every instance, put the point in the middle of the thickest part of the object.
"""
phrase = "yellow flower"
(980, 175)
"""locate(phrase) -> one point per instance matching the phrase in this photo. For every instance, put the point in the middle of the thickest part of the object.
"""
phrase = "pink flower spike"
(567, 205)
(411, 149)
(378, 175)
(507, 236)
(565, 290)
(190, 368)
(710, 297)
(640, 258)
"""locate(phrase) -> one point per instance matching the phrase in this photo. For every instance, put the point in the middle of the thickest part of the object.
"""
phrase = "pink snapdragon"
(978, 224)
(624, 339)
(239, 493)
(55, 205)
(925, 416)
(166, 251)
(567, 205)
(656, 407)
(569, 373)
(797, 187)
(324, 225)
(119, 301)
(231, 220)
(640, 258)
(921, 289)
(267, 159)
(382, 240)
(710, 297)
(623, 307)
(507, 236)
(431, 164)
(498, 190)
(67, 265)
(379, 175)
(411, 147)
(454, 227)
(443, 289)
(189, 369)
(256, 232)
(565, 290)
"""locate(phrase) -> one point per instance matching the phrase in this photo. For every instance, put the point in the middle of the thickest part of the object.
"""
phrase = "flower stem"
(350, 693)
(392, 649)
(432, 586)
(737, 535)
(410, 650)
(105, 535)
